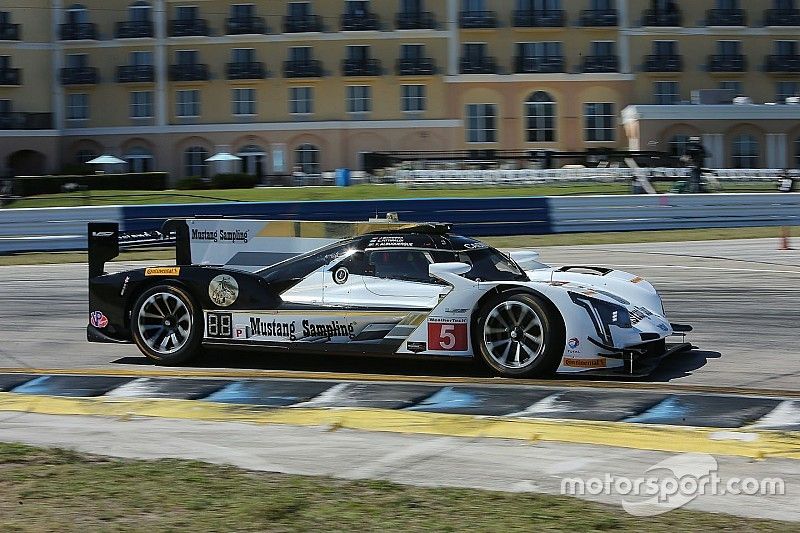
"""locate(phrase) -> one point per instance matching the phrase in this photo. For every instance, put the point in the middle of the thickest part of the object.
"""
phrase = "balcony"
(422, 20)
(727, 63)
(308, 23)
(189, 72)
(663, 63)
(538, 64)
(783, 63)
(659, 18)
(362, 67)
(726, 17)
(477, 19)
(361, 22)
(245, 26)
(252, 70)
(479, 65)
(78, 32)
(9, 32)
(26, 121)
(136, 74)
(10, 76)
(311, 68)
(79, 76)
(782, 17)
(600, 64)
(421, 66)
(132, 29)
(551, 18)
(188, 27)
(599, 18)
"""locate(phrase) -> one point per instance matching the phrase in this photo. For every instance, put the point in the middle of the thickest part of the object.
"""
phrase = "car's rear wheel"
(166, 325)
(518, 335)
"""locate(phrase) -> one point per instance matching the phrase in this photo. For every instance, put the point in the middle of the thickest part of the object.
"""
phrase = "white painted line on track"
(325, 398)
(787, 413)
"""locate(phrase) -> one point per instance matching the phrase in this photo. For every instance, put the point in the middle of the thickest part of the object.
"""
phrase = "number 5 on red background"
(447, 336)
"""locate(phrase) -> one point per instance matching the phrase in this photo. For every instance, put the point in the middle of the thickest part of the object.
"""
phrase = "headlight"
(603, 314)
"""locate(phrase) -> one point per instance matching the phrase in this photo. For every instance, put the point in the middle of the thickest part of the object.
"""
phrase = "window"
(745, 151)
(5, 106)
(677, 144)
(475, 53)
(243, 11)
(141, 58)
(481, 127)
(405, 265)
(786, 48)
(77, 60)
(77, 106)
(543, 49)
(186, 12)
(665, 48)
(243, 55)
(84, 156)
(359, 99)
(732, 85)
(729, 48)
(797, 152)
(188, 103)
(141, 104)
(244, 101)
(599, 121)
(411, 52)
(412, 98)
(727, 4)
(194, 161)
(5, 62)
(299, 10)
(666, 92)
(411, 7)
(186, 57)
(358, 52)
(472, 6)
(139, 160)
(356, 8)
(602, 5)
(77, 14)
(300, 54)
(783, 4)
(786, 89)
(139, 12)
(301, 100)
(603, 48)
(307, 158)
(540, 113)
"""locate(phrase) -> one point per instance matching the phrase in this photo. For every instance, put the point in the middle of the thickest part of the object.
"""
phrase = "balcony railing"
(362, 22)
(477, 19)
(245, 26)
(663, 63)
(302, 24)
(189, 72)
(251, 70)
(421, 66)
(130, 29)
(538, 18)
(26, 121)
(136, 73)
(783, 63)
(422, 20)
(659, 18)
(726, 17)
(362, 67)
(482, 65)
(538, 64)
(79, 76)
(727, 63)
(600, 64)
(311, 68)
(9, 32)
(188, 27)
(782, 17)
(599, 18)
(78, 32)
(10, 76)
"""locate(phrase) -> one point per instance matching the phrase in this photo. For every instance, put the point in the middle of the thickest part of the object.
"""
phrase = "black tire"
(173, 311)
(515, 340)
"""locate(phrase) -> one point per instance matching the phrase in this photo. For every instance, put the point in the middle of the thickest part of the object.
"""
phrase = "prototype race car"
(379, 288)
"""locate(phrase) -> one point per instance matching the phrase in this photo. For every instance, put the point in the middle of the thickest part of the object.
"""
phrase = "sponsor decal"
(162, 271)
(241, 332)
(301, 328)
(340, 275)
(102, 234)
(637, 279)
(224, 236)
(599, 362)
(475, 246)
(98, 319)
(389, 241)
(663, 327)
(329, 329)
(416, 347)
(219, 325)
(124, 286)
(275, 328)
(223, 290)
(447, 334)
(573, 343)
(456, 311)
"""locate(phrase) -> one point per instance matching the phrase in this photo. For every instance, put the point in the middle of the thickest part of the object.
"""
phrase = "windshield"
(490, 265)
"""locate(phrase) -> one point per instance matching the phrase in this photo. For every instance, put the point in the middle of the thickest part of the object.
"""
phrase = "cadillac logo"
(223, 290)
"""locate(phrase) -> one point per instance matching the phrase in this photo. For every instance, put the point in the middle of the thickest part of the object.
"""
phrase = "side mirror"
(451, 273)
(527, 259)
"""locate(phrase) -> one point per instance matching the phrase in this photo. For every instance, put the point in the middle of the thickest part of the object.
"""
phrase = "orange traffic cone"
(785, 245)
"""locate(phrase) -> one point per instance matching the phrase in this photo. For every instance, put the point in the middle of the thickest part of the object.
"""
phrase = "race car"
(380, 288)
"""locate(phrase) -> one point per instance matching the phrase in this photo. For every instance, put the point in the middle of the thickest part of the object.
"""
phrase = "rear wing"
(105, 242)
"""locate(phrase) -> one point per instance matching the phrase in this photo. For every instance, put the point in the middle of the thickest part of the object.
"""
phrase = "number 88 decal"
(447, 335)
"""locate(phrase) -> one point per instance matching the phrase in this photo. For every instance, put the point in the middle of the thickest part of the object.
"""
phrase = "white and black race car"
(380, 288)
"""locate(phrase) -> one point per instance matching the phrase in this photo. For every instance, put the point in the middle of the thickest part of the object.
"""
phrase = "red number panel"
(447, 336)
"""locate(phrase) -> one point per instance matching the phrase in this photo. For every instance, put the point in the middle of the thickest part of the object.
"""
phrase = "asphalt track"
(741, 296)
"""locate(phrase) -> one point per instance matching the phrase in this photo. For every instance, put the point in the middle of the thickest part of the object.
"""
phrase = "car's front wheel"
(518, 335)
(166, 325)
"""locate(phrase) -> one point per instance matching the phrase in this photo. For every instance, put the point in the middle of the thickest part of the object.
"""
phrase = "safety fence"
(51, 229)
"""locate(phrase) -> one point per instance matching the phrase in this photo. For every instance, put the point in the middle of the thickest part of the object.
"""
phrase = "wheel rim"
(513, 335)
(165, 323)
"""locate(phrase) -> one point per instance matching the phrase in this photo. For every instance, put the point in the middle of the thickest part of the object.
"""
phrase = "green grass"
(58, 490)
(356, 192)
